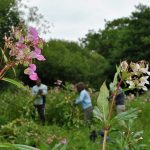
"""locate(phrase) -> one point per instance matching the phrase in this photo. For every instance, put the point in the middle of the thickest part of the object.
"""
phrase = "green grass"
(77, 138)
(143, 121)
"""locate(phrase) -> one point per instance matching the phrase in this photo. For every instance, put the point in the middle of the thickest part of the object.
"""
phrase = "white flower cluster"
(135, 74)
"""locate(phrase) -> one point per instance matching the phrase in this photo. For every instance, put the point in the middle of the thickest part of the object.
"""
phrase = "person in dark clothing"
(120, 101)
(93, 135)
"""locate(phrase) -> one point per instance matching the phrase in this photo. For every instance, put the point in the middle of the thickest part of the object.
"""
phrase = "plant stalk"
(105, 139)
(106, 129)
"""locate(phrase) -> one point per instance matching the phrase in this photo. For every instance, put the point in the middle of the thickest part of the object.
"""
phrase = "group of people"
(40, 90)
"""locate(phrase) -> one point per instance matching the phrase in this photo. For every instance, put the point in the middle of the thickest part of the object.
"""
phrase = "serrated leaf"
(127, 115)
(102, 101)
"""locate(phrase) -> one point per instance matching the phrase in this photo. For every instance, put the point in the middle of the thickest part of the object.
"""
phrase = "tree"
(9, 16)
(122, 39)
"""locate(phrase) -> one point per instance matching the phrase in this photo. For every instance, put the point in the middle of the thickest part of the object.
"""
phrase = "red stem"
(113, 99)
(106, 129)
(5, 69)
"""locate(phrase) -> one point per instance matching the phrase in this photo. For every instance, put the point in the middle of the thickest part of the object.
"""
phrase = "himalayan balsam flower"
(37, 54)
(27, 46)
(145, 70)
(31, 72)
(63, 141)
(124, 66)
(143, 80)
(135, 67)
(49, 140)
(131, 84)
(58, 82)
(135, 74)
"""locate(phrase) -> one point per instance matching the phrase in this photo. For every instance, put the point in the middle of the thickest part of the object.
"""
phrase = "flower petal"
(40, 58)
(33, 76)
(37, 50)
(32, 67)
(28, 71)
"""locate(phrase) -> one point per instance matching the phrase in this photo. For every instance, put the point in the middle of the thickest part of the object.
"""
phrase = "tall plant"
(134, 76)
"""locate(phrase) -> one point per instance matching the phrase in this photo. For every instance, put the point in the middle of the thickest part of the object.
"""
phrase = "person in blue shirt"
(85, 101)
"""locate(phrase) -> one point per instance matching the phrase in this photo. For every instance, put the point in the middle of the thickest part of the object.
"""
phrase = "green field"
(18, 127)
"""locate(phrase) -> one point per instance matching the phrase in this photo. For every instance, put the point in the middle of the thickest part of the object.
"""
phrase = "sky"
(72, 19)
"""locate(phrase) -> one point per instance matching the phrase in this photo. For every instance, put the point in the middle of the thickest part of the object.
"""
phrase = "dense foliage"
(26, 131)
(123, 38)
(94, 59)
(60, 107)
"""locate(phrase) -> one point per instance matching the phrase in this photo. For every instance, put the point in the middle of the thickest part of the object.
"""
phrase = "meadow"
(64, 121)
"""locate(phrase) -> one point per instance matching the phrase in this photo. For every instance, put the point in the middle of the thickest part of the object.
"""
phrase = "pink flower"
(37, 54)
(33, 35)
(39, 57)
(37, 50)
(33, 32)
(20, 45)
(25, 48)
(31, 72)
(49, 140)
(63, 141)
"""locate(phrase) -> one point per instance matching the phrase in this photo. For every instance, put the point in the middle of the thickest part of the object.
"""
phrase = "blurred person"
(85, 101)
(119, 100)
(40, 91)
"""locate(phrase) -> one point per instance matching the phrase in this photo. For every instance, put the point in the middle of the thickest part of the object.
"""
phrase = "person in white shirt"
(40, 91)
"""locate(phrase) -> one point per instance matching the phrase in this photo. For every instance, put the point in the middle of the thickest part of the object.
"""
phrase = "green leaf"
(6, 60)
(17, 146)
(24, 147)
(138, 134)
(4, 56)
(102, 101)
(56, 146)
(20, 85)
(43, 146)
(115, 81)
(127, 115)
(64, 147)
(97, 114)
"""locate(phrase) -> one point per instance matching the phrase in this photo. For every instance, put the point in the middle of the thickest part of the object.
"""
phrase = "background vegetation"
(122, 39)
(18, 126)
(91, 60)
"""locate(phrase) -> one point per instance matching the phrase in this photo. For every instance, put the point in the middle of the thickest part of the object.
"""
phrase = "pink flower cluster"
(27, 46)
(54, 138)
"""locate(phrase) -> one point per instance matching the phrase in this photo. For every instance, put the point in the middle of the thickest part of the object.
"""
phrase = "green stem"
(105, 139)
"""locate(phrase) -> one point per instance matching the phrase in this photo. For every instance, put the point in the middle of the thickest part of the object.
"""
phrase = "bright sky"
(72, 19)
